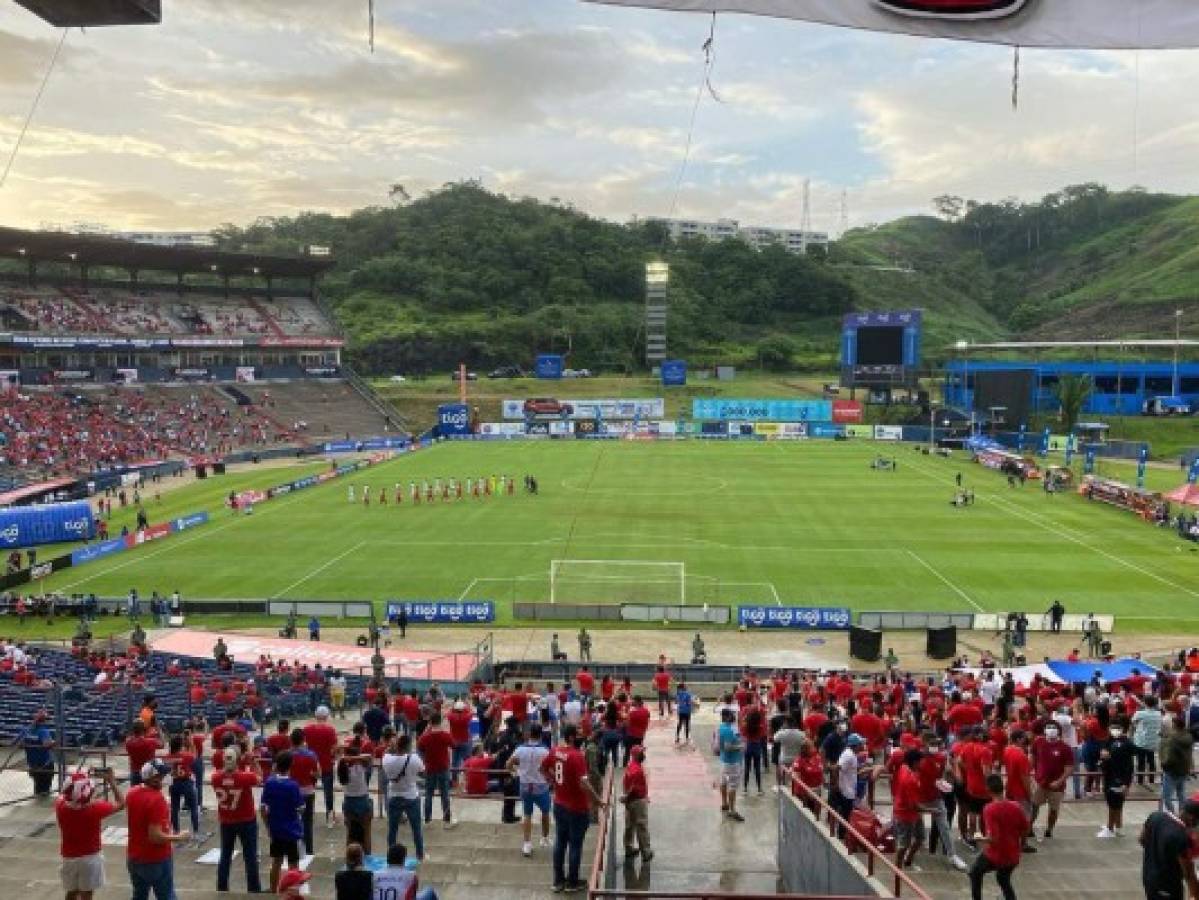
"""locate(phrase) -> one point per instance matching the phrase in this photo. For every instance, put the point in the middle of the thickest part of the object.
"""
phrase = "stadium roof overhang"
(91, 13)
(96, 250)
(966, 346)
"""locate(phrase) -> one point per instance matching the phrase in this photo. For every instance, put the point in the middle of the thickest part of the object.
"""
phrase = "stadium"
(877, 593)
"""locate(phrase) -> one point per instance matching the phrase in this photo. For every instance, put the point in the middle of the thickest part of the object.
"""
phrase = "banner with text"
(826, 618)
(608, 408)
(761, 410)
(436, 612)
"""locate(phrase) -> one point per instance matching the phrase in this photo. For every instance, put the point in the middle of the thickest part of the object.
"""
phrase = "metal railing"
(875, 858)
(603, 861)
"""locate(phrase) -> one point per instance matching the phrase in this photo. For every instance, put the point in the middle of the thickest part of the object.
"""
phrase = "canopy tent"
(1075, 24)
(1187, 494)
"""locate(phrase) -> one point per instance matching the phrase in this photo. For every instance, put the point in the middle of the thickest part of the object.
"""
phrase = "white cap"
(153, 769)
(322, 712)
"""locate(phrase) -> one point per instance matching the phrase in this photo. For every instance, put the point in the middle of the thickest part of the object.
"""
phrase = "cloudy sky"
(234, 109)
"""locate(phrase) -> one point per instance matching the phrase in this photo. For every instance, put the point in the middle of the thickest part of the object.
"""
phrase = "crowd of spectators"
(73, 310)
(55, 434)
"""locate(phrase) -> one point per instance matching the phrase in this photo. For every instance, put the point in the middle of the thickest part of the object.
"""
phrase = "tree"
(949, 207)
(398, 193)
(1072, 393)
(776, 352)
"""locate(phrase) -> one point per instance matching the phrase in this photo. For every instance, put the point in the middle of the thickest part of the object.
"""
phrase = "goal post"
(617, 581)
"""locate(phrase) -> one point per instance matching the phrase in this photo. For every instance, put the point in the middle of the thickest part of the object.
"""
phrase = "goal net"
(617, 581)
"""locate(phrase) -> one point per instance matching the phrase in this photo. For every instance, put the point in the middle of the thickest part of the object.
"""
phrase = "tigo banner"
(761, 410)
(435, 612)
(810, 618)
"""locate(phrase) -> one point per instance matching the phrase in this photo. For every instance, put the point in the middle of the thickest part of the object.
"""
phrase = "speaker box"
(218, 468)
(865, 644)
(201, 472)
(942, 643)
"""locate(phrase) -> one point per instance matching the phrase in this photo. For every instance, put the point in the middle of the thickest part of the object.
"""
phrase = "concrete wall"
(810, 862)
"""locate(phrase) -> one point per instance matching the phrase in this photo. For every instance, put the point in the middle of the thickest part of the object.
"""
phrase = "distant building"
(756, 236)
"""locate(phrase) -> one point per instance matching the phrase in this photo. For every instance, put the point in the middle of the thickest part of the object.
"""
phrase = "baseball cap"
(854, 740)
(78, 791)
(292, 878)
(322, 712)
(154, 770)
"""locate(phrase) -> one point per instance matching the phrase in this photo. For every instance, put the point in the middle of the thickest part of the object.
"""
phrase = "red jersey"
(218, 734)
(305, 770)
(1016, 764)
(586, 683)
(435, 746)
(976, 765)
(810, 770)
(235, 796)
(181, 765)
(520, 705)
(638, 722)
(277, 743)
(813, 722)
(141, 751)
(635, 785)
(929, 771)
(1005, 824)
(906, 796)
(1052, 758)
(321, 739)
(870, 727)
(662, 682)
(566, 768)
(962, 716)
(460, 725)
(147, 806)
(477, 775)
(80, 828)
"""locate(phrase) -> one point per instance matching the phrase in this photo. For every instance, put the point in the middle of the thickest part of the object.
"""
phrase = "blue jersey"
(731, 752)
(683, 701)
(282, 798)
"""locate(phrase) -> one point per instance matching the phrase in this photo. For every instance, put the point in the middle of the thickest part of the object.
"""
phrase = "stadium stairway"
(332, 409)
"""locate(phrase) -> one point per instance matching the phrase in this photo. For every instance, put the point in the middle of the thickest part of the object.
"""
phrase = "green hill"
(465, 275)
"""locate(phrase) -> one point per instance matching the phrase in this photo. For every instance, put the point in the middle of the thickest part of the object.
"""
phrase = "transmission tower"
(805, 220)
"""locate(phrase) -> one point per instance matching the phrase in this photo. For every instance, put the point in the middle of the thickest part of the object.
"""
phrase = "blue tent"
(1081, 672)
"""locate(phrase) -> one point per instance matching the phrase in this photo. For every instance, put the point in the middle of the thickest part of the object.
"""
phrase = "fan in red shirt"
(519, 702)
(1005, 825)
(229, 726)
(565, 769)
(636, 726)
(662, 686)
(478, 778)
(586, 682)
(321, 738)
(813, 722)
(809, 769)
(435, 745)
(140, 749)
(962, 716)
(909, 823)
(234, 789)
(1018, 768)
(1053, 761)
(80, 813)
(281, 739)
(974, 764)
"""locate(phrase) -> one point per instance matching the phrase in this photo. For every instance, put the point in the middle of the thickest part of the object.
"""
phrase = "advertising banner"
(825, 430)
(888, 432)
(189, 521)
(322, 371)
(549, 365)
(453, 419)
(29, 526)
(299, 342)
(440, 612)
(768, 429)
(127, 376)
(504, 429)
(860, 431)
(826, 618)
(669, 427)
(245, 374)
(761, 410)
(674, 373)
(794, 429)
(191, 372)
(847, 411)
(146, 535)
(93, 552)
(591, 408)
(72, 374)
(561, 429)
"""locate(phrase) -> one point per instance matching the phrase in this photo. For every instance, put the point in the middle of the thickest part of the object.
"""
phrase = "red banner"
(146, 535)
(847, 411)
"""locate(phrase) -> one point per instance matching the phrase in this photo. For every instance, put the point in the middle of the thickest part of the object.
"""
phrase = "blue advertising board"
(549, 365)
(439, 612)
(825, 430)
(674, 373)
(812, 618)
(453, 419)
(28, 526)
(762, 410)
(189, 521)
(92, 552)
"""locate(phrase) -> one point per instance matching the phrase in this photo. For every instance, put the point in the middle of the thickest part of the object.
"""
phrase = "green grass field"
(805, 523)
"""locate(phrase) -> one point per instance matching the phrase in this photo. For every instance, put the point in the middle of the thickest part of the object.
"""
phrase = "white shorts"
(730, 774)
(83, 873)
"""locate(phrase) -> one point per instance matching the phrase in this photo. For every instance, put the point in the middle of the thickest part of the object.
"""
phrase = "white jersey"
(528, 764)
(394, 883)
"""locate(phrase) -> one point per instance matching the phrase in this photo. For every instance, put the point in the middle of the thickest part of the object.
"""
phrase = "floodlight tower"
(657, 288)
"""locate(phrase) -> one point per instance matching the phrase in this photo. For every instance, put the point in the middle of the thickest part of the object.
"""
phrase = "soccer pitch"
(807, 524)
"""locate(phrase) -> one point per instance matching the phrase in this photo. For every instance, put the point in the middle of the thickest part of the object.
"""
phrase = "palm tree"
(1072, 393)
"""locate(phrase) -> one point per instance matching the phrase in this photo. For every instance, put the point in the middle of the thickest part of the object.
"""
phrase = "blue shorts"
(535, 796)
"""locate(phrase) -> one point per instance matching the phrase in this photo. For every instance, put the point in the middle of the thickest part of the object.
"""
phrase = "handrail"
(873, 854)
(595, 885)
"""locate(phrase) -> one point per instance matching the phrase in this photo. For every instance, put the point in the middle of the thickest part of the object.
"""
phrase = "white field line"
(1062, 533)
(953, 587)
(468, 589)
(319, 569)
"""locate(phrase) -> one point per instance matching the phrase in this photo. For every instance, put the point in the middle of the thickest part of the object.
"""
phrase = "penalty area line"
(319, 569)
(953, 587)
